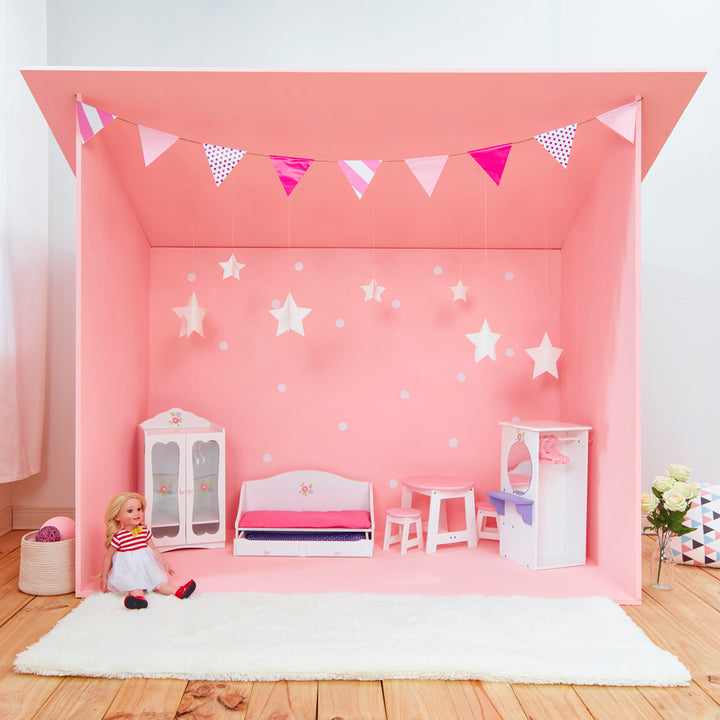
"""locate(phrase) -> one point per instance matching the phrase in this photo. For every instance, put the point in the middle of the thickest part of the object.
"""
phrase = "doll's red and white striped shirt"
(124, 540)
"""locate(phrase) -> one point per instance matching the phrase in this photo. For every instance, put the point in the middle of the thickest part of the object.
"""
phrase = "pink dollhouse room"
(367, 277)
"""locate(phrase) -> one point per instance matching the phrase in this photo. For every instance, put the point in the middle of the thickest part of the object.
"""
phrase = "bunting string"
(359, 173)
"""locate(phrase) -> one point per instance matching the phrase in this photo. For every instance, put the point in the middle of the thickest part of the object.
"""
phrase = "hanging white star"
(459, 291)
(373, 290)
(484, 342)
(231, 268)
(192, 317)
(545, 357)
(290, 317)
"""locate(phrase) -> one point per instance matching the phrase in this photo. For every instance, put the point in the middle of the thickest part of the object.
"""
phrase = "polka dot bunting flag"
(222, 160)
(559, 142)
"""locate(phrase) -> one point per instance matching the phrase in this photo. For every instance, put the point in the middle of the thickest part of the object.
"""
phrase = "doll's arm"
(161, 558)
(106, 565)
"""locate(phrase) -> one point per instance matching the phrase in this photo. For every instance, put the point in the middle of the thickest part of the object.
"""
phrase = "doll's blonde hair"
(113, 509)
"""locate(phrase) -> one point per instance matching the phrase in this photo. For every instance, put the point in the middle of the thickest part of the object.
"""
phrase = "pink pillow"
(355, 519)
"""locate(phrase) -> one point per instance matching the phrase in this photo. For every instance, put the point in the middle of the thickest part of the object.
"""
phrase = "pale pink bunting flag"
(492, 160)
(559, 142)
(91, 120)
(621, 120)
(154, 143)
(359, 173)
(427, 170)
(290, 170)
(222, 160)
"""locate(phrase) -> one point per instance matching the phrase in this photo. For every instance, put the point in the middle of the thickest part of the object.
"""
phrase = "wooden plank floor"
(685, 621)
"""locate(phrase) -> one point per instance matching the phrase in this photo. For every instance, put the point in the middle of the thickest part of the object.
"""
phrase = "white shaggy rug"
(264, 636)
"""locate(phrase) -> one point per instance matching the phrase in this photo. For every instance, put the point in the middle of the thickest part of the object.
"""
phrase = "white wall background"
(681, 227)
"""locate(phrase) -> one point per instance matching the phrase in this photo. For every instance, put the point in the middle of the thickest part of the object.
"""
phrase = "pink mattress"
(355, 519)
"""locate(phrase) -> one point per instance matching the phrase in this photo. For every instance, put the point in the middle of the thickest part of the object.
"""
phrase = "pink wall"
(112, 349)
(601, 331)
(373, 391)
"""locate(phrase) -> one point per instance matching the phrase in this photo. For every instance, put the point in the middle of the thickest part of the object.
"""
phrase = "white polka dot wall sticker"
(339, 323)
(192, 277)
(461, 377)
(437, 270)
(452, 442)
(404, 394)
(282, 387)
(509, 276)
(223, 346)
(299, 266)
(267, 457)
(342, 426)
(396, 304)
(393, 483)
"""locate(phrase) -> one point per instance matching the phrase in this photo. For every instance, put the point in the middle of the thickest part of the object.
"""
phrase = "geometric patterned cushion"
(702, 545)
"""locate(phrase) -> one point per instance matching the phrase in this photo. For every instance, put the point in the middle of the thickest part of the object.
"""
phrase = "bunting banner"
(290, 170)
(622, 120)
(222, 160)
(427, 170)
(492, 160)
(559, 142)
(359, 173)
(154, 143)
(91, 120)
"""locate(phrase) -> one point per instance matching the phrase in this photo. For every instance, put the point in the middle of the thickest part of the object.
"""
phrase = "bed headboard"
(306, 490)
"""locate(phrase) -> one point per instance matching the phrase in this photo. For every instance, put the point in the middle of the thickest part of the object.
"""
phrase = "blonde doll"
(132, 563)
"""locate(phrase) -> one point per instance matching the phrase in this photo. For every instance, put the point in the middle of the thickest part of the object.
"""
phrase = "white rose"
(663, 483)
(681, 473)
(684, 489)
(648, 502)
(674, 501)
(695, 490)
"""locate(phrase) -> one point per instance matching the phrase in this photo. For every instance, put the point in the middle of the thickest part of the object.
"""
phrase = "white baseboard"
(32, 518)
(5, 520)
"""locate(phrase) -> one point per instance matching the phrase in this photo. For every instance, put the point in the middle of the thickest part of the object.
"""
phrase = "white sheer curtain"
(23, 241)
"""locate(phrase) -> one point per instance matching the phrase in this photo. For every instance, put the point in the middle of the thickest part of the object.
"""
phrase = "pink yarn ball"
(47, 533)
(65, 526)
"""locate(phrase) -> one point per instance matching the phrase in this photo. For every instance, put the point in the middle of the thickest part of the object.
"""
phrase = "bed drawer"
(302, 548)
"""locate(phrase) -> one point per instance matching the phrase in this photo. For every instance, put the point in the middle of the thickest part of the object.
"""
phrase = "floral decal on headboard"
(305, 489)
(176, 418)
(520, 436)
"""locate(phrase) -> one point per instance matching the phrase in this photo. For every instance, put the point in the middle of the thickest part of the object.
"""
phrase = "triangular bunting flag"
(359, 173)
(492, 160)
(290, 170)
(559, 142)
(154, 143)
(427, 170)
(222, 160)
(91, 120)
(621, 120)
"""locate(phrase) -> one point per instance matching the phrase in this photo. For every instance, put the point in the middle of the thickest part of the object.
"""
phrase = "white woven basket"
(46, 568)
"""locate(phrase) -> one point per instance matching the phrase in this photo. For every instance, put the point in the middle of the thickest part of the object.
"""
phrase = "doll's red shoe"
(134, 602)
(186, 590)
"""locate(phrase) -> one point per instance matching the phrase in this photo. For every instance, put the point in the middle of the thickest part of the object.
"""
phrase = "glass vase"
(662, 563)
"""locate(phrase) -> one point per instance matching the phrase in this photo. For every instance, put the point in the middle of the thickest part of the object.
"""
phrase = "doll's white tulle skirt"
(136, 570)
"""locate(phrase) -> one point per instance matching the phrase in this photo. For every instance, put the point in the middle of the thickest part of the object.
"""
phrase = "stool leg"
(388, 526)
(419, 533)
(405, 536)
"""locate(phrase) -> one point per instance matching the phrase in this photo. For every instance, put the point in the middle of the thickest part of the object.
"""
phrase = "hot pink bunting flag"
(621, 120)
(91, 120)
(427, 170)
(359, 173)
(492, 160)
(154, 143)
(222, 160)
(559, 142)
(290, 170)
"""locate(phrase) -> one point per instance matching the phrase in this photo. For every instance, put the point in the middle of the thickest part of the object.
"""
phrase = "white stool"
(486, 510)
(404, 516)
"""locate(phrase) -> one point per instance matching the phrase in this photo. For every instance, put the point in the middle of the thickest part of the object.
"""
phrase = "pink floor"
(442, 573)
